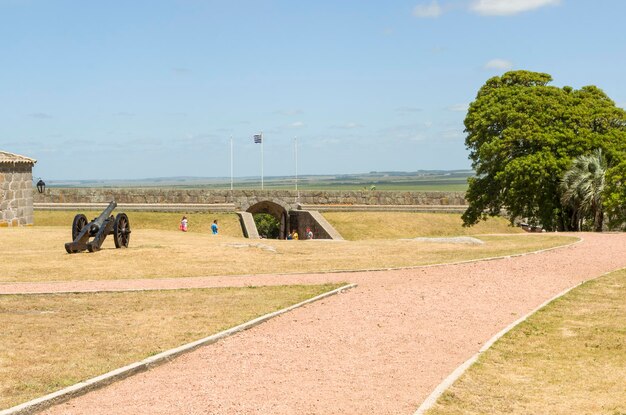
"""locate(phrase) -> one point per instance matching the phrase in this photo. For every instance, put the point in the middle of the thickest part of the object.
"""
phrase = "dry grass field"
(569, 358)
(351, 225)
(51, 341)
(397, 225)
(38, 254)
(48, 342)
(164, 221)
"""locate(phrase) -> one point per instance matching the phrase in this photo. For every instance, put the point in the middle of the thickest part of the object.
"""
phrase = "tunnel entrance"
(272, 220)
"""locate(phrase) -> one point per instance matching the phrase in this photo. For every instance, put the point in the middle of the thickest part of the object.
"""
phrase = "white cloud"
(348, 126)
(407, 132)
(408, 109)
(509, 7)
(499, 64)
(452, 135)
(181, 71)
(428, 10)
(289, 112)
(458, 107)
(296, 124)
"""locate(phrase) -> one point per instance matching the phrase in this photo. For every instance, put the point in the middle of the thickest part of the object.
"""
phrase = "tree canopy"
(523, 135)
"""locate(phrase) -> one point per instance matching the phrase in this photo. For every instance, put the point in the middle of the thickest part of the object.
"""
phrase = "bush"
(267, 225)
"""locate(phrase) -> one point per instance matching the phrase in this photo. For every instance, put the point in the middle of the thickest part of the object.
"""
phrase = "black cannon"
(99, 229)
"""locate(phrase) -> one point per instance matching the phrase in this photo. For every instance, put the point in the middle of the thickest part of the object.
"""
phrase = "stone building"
(16, 189)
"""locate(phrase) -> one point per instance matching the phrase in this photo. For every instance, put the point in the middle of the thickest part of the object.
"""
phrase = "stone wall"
(16, 194)
(321, 228)
(242, 199)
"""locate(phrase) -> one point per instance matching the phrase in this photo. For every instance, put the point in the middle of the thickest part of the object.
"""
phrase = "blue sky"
(136, 89)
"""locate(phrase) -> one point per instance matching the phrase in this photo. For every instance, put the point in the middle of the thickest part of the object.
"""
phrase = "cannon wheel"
(121, 230)
(79, 223)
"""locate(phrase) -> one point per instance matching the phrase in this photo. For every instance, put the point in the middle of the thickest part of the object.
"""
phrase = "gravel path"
(378, 349)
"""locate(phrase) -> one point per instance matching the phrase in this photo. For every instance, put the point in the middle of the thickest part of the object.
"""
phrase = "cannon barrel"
(96, 224)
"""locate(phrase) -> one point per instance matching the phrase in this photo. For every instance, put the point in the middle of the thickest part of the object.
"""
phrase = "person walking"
(214, 227)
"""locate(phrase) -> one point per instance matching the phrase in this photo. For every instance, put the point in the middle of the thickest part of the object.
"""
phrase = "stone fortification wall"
(321, 228)
(16, 194)
(243, 198)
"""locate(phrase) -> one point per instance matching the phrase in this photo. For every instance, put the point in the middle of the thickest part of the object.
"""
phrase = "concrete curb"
(89, 385)
(430, 401)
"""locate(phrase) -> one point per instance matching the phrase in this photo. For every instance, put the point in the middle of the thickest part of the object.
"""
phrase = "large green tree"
(615, 195)
(523, 134)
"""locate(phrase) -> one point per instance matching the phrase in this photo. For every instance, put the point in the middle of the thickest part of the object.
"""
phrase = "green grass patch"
(568, 358)
(51, 341)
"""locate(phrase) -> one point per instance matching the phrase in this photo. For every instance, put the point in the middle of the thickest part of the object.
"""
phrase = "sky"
(140, 89)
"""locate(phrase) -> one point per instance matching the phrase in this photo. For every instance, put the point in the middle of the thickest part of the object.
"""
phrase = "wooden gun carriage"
(99, 229)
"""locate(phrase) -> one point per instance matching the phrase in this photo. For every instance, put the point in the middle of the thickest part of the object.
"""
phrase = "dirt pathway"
(377, 349)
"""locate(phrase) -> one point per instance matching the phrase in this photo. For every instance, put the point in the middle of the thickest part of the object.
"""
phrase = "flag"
(258, 138)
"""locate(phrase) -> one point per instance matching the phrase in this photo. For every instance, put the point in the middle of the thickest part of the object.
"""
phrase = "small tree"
(582, 188)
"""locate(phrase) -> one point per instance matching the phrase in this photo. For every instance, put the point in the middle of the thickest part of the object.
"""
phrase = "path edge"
(430, 401)
(81, 388)
(579, 239)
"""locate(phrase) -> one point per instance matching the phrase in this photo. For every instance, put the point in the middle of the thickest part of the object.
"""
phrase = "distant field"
(452, 181)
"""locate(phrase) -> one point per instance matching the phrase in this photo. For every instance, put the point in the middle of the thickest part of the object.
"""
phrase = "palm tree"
(582, 187)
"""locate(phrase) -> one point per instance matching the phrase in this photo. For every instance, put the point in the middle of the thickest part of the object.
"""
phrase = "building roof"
(10, 158)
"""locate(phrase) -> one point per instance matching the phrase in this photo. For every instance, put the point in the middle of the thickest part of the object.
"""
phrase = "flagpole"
(262, 143)
(231, 163)
(295, 145)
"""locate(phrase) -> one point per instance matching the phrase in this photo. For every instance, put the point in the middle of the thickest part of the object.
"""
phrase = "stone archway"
(277, 211)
